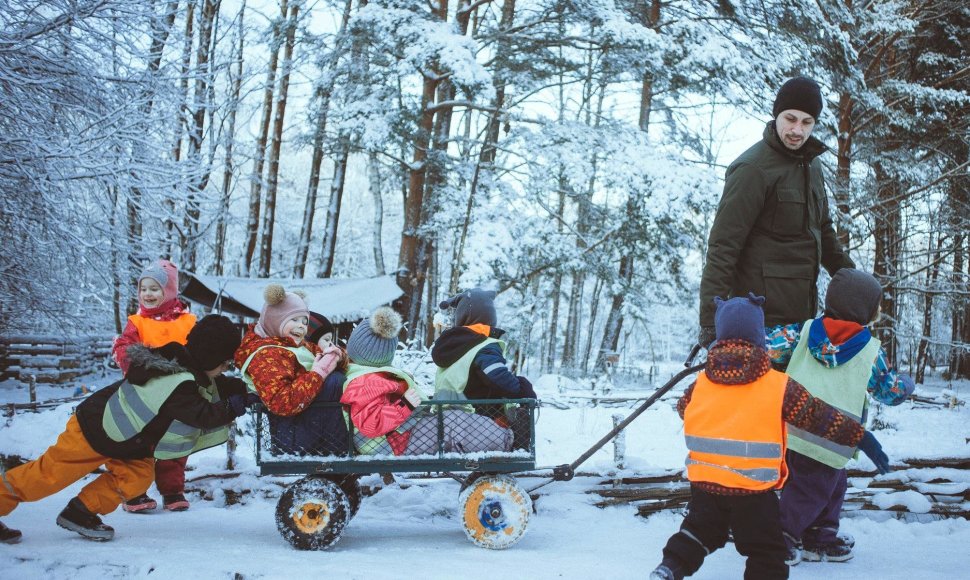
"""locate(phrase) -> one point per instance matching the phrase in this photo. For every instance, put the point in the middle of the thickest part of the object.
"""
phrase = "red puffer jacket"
(376, 408)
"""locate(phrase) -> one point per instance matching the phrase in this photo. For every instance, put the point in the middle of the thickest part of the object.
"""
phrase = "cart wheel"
(495, 511)
(312, 513)
(472, 478)
(350, 485)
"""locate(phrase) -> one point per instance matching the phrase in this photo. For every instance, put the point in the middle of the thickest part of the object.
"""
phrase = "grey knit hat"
(374, 341)
(853, 295)
(475, 306)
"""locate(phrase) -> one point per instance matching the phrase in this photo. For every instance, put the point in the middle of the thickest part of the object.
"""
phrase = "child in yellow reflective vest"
(175, 402)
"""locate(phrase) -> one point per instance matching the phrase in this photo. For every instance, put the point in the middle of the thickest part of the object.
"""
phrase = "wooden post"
(33, 388)
(619, 443)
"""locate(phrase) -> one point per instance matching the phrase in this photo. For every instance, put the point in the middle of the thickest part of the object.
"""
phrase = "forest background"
(569, 154)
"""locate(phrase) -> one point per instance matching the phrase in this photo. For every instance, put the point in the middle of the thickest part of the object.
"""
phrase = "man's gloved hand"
(909, 386)
(525, 387)
(239, 403)
(873, 450)
(706, 336)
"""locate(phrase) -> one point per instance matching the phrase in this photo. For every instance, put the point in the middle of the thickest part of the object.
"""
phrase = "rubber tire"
(495, 511)
(312, 513)
(350, 484)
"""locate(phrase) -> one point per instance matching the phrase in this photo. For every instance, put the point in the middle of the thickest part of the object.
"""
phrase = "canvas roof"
(339, 299)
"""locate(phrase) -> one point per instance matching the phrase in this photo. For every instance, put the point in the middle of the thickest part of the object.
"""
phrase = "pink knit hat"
(280, 306)
(167, 276)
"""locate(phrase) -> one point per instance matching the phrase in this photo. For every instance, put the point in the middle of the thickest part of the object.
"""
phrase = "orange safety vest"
(161, 332)
(735, 433)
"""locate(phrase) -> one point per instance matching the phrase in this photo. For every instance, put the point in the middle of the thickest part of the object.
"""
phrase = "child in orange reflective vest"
(161, 318)
(735, 417)
(841, 362)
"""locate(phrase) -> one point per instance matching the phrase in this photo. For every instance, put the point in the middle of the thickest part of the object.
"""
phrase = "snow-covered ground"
(414, 530)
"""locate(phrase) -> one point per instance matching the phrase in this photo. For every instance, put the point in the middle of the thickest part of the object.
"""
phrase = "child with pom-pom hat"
(289, 373)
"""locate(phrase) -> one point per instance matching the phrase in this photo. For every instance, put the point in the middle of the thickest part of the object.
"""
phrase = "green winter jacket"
(772, 232)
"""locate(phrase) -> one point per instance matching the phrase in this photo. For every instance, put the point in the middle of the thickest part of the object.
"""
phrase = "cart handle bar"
(566, 472)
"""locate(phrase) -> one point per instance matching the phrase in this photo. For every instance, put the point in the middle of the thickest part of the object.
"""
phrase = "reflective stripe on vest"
(845, 387)
(153, 332)
(734, 433)
(454, 378)
(132, 407)
(377, 445)
(303, 356)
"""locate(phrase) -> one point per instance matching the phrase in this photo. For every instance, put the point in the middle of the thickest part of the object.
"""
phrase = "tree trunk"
(272, 180)
(333, 212)
(259, 156)
(374, 174)
(843, 164)
(175, 239)
(322, 95)
(229, 167)
(886, 266)
(922, 351)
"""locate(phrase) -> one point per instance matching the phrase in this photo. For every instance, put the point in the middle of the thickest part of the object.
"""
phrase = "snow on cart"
(497, 439)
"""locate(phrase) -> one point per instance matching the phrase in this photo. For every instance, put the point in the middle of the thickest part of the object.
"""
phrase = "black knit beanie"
(318, 326)
(853, 295)
(213, 341)
(801, 94)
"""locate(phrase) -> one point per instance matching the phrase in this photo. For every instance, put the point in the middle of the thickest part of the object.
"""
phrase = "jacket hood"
(455, 342)
(833, 342)
(810, 150)
(736, 362)
(147, 363)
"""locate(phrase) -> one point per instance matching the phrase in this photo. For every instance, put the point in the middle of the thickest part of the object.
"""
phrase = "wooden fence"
(52, 358)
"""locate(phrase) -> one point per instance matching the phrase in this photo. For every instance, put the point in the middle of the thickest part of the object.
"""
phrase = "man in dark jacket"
(172, 403)
(772, 231)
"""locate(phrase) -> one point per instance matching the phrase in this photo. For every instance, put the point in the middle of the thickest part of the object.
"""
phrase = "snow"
(412, 527)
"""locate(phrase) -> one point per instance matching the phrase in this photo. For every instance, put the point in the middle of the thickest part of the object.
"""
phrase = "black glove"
(239, 403)
(525, 388)
(706, 336)
(873, 450)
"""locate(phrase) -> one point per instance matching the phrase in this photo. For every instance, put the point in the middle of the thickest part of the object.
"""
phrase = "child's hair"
(853, 295)
(280, 306)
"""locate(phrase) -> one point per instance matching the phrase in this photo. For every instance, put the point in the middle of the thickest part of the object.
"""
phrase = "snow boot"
(838, 551)
(175, 502)
(77, 518)
(9, 535)
(795, 551)
(666, 571)
(140, 505)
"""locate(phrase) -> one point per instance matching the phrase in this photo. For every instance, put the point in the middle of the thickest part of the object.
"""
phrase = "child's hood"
(150, 363)
(833, 342)
(455, 342)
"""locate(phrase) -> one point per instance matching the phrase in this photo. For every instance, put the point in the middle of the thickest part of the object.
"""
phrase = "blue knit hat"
(740, 318)
(374, 341)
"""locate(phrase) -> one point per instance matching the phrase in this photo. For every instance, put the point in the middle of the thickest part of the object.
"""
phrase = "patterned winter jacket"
(833, 342)
(284, 386)
(736, 362)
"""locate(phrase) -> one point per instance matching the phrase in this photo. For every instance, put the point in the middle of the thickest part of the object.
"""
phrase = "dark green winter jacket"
(772, 231)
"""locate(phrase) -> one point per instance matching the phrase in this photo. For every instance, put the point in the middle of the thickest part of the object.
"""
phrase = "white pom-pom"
(274, 294)
(386, 323)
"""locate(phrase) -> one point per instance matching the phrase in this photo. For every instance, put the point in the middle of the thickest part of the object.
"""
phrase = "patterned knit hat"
(167, 276)
(280, 306)
(374, 342)
(740, 318)
(801, 94)
(319, 325)
(853, 295)
(475, 306)
(212, 341)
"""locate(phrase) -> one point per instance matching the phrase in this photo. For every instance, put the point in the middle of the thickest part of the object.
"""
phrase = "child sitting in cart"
(290, 374)
(381, 401)
(471, 362)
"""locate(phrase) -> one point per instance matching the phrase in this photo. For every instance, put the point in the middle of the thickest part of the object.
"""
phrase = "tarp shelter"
(342, 300)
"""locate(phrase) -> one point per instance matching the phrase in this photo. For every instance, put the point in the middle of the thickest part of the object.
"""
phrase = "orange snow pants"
(65, 462)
